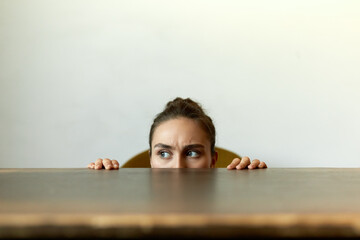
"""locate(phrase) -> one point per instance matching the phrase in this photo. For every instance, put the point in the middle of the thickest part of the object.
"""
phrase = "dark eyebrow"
(194, 146)
(161, 145)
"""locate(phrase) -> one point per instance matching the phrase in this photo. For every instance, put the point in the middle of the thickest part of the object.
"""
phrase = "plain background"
(84, 79)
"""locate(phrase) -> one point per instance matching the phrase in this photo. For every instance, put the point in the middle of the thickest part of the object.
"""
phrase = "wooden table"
(278, 202)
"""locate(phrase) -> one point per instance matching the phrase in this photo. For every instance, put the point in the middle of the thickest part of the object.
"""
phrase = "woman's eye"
(192, 154)
(164, 154)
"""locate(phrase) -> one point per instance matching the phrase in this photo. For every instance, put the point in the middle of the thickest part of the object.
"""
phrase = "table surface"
(181, 202)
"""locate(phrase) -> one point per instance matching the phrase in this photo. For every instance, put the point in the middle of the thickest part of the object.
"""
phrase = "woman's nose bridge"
(179, 162)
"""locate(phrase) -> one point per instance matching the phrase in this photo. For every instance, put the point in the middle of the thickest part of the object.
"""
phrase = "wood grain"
(181, 202)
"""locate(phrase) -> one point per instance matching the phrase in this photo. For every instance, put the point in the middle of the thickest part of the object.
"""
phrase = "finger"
(254, 164)
(91, 165)
(262, 165)
(115, 164)
(233, 164)
(245, 161)
(98, 164)
(107, 163)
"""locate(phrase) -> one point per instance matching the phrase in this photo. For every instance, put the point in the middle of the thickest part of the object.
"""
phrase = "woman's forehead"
(181, 131)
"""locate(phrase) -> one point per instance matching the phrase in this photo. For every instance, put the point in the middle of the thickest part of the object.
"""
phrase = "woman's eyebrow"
(161, 145)
(194, 146)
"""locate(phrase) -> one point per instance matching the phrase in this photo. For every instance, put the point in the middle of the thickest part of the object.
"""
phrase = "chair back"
(142, 160)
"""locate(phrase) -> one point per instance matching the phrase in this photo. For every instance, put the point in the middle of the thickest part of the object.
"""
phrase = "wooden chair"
(142, 159)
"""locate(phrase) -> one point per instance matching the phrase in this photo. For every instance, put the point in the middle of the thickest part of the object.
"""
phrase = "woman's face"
(181, 143)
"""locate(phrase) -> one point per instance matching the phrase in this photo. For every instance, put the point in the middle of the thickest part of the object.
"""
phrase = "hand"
(244, 163)
(106, 163)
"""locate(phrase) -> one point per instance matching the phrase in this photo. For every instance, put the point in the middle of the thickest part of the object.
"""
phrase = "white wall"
(83, 79)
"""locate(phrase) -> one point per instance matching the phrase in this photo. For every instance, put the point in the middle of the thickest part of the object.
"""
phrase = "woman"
(183, 136)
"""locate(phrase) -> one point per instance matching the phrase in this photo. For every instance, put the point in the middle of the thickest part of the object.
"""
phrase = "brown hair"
(187, 108)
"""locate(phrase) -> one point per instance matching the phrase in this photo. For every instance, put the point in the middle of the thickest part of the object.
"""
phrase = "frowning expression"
(181, 143)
